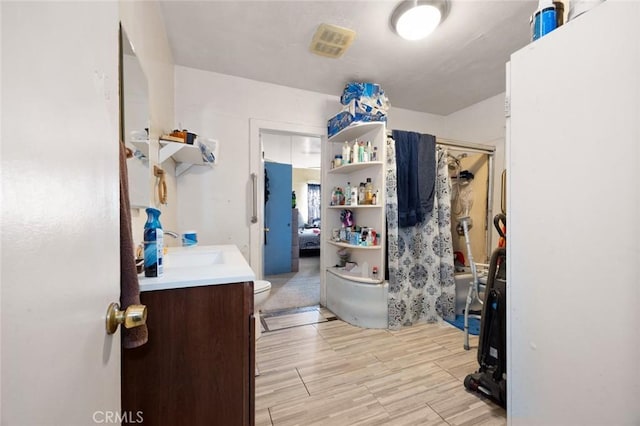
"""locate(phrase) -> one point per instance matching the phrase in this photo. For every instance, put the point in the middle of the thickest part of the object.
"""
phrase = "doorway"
(292, 166)
(299, 148)
(469, 173)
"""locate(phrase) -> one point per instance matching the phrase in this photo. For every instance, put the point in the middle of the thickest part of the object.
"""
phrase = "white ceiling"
(461, 63)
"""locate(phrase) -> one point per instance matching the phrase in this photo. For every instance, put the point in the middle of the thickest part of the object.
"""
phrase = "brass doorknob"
(133, 316)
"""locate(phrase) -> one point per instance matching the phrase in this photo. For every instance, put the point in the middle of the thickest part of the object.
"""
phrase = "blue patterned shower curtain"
(421, 283)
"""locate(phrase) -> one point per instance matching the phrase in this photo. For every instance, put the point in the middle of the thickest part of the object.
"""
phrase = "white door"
(60, 217)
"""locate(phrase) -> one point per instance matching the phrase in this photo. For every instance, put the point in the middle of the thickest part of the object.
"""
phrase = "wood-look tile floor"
(332, 373)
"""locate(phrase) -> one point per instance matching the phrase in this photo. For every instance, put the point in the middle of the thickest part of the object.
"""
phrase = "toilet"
(261, 290)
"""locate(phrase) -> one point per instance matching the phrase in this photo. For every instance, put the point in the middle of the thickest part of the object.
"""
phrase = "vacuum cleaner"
(491, 378)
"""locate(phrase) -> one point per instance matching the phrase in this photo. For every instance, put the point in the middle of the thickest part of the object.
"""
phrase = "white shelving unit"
(356, 298)
(354, 167)
(142, 146)
(353, 246)
(184, 155)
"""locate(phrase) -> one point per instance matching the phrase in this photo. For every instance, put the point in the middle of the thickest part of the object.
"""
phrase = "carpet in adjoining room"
(295, 289)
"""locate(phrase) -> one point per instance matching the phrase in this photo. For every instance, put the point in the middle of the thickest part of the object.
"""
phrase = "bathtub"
(462, 280)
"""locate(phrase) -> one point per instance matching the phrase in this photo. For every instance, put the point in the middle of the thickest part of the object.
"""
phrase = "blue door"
(277, 219)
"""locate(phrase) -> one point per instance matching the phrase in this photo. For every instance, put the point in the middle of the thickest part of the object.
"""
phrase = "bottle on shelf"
(346, 151)
(368, 152)
(361, 152)
(374, 154)
(347, 194)
(354, 153)
(361, 191)
(368, 192)
(354, 195)
(335, 196)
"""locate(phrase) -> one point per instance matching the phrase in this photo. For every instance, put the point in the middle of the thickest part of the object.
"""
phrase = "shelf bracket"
(168, 150)
(182, 167)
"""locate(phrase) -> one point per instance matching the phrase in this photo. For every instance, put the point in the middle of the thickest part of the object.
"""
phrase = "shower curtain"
(420, 257)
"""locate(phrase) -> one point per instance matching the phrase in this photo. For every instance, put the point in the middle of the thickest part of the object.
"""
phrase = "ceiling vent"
(331, 41)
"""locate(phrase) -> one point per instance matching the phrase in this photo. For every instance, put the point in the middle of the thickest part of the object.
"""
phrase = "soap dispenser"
(153, 244)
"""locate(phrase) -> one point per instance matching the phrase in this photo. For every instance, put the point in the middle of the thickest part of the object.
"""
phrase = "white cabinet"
(573, 210)
(343, 287)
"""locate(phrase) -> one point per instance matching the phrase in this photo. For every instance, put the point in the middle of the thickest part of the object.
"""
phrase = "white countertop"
(199, 266)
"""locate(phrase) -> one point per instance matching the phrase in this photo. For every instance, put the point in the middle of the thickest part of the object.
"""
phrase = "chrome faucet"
(173, 234)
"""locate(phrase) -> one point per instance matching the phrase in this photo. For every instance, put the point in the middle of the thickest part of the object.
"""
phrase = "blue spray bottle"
(153, 244)
(544, 20)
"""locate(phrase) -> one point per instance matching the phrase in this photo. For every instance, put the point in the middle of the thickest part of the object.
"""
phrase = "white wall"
(483, 123)
(145, 28)
(413, 121)
(217, 202)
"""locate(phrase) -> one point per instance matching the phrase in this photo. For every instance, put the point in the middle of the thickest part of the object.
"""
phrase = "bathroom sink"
(199, 266)
(188, 259)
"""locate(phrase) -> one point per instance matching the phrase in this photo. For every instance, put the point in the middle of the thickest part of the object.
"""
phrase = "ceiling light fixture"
(416, 19)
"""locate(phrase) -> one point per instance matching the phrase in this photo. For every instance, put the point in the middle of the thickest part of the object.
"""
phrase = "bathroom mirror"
(134, 119)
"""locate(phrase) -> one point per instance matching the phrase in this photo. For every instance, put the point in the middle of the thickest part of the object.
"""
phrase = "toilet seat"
(260, 286)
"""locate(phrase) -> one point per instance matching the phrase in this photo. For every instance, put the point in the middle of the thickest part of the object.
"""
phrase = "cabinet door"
(198, 366)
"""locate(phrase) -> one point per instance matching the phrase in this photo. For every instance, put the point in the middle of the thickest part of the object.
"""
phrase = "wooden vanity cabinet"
(198, 365)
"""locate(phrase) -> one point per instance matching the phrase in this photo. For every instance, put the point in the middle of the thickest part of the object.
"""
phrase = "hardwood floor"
(332, 373)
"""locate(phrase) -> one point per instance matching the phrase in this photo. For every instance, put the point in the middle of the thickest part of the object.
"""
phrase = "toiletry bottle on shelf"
(354, 195)
(368, 151)
(347, 194)
(153, 244)
(368, 192)
(354, 152)
(346, 153)
(374, 154)
(361, 152)
(361, 192)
